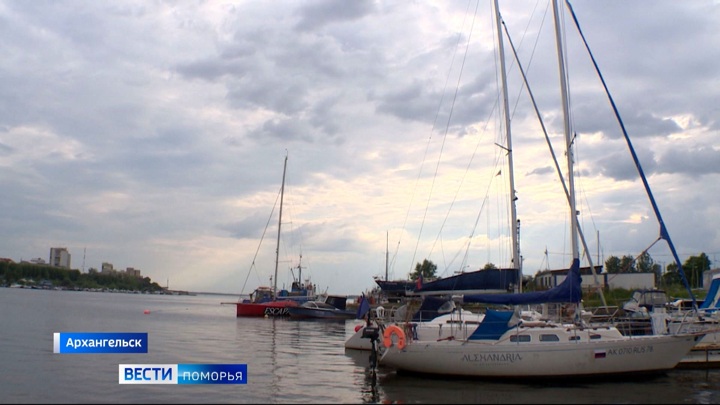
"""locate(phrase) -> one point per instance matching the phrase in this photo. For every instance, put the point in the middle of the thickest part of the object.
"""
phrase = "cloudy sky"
(152, 135)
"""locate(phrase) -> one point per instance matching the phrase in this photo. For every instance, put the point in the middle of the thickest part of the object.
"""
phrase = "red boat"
(262, 304)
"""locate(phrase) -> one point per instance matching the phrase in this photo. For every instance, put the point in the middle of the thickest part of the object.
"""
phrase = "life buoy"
(397, 331)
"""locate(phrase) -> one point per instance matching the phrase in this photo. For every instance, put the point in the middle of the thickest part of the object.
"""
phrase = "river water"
(288, 361)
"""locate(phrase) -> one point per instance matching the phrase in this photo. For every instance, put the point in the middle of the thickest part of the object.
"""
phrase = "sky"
(153, 135)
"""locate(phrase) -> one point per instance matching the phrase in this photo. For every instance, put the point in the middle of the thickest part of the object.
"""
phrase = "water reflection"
(676, 386)
(369, 385)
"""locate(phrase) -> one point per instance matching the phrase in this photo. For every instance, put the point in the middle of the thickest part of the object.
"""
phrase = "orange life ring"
(397, 331)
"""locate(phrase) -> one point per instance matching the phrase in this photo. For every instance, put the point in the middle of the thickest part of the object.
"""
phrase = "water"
(288, 361)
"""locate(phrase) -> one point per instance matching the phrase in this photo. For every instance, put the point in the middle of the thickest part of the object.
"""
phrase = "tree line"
(693, 268)
(33, 274)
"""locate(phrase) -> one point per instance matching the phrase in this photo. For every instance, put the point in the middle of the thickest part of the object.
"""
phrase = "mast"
(513, 212)
(277, 248)
(559, 171)
(300, 281)
(386, 255)
(568, 137)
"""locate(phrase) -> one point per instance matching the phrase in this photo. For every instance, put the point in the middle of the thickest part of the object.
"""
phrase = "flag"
(419, 282)
(363, 307)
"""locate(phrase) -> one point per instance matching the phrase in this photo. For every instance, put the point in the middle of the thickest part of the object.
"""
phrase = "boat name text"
(630, 350)
(276, 311)
(492, 357)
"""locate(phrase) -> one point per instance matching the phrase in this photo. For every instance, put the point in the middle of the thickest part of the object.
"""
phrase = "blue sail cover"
(711, 300)
(493, 325)
(487, 279)
(569, 290)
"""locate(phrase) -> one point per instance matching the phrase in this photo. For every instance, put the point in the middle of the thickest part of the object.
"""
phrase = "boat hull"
(503, 359)
(262, 309)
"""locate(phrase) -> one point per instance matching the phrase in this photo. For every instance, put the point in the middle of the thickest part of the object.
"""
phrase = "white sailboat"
(505, 346)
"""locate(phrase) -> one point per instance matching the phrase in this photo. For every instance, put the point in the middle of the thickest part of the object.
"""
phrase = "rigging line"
(445, 135)
(664, 234)
(532, 53)
(517, 99)
(477, 218)
(463, 178)
(427, 147)
(573, 143)
(467, 170)
(449, 265)
(552, 153)
(262, 237)
(512, 226)
(294, 236)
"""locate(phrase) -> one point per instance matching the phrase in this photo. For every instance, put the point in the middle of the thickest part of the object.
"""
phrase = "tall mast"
(568, 136)
(513, 212)
(560, 174)
(300, 282)
(386, 255)
(277, 248)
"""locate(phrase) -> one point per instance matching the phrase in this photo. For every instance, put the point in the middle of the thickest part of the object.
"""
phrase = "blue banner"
(100, 342)
(182, 374)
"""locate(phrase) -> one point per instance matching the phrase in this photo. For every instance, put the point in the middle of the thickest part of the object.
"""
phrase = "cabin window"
(571, 338)
(519, 338)
(549, 338)
(595, 336)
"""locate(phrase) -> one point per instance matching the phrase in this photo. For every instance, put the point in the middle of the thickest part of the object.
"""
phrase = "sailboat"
(267, 301)
(506, 346)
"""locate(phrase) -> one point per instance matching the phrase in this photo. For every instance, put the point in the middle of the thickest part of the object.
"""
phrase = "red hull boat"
(262, 309)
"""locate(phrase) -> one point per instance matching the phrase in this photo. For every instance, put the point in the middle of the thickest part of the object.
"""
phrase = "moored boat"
(333, 307)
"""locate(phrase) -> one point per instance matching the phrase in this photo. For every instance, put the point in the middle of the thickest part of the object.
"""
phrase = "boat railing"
(606, 313)
(385, 314)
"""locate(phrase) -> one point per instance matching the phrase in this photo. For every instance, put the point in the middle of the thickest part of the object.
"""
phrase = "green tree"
(489, 266)
(694, 267)
(73, 278)
(645, 263)
(427, 269)
(612, 265)
(627, 264)
(671, 277)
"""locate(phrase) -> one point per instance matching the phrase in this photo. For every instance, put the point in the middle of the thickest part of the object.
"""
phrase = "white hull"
(705, 354)
(357, 342)
(610, 354)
